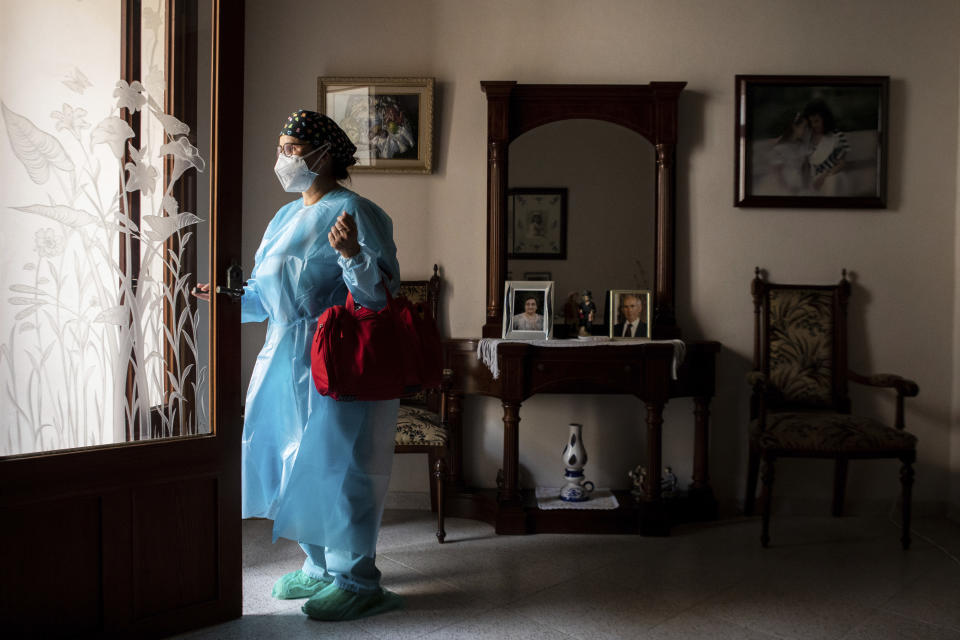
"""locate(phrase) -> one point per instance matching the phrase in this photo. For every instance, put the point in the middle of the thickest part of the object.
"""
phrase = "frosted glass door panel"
(103, 211)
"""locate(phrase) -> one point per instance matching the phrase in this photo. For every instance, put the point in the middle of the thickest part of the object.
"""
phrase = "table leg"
(701, 439)
(510, 491)
(654, 453)
(454, 406)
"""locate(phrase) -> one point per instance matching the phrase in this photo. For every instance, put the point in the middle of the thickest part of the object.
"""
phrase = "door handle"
(235, 282)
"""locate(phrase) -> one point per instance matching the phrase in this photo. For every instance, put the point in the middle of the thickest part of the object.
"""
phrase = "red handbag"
(361, 354)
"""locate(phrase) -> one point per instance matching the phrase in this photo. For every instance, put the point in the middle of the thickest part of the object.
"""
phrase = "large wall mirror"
(606, 175)
(610, 150)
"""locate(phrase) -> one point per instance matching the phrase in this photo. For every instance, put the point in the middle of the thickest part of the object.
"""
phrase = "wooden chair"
(800, 406)
(422, 421)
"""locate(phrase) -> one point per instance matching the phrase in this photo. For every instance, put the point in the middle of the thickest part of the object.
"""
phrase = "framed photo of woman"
(528, 310)
(629, 313)
(811, 141)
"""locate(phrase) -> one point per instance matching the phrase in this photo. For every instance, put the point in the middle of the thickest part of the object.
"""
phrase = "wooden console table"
(640, 369)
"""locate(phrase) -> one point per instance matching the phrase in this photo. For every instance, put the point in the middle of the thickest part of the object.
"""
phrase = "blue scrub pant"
(350, 571)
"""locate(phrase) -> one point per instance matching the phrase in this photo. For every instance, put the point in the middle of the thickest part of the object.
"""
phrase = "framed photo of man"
(811, 141)
(630, 314)
(528, 310)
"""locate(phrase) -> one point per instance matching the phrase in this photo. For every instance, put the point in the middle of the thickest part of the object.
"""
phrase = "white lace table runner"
(600, 500)
(487, 349)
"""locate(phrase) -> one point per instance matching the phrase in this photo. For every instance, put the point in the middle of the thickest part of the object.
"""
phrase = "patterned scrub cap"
(318, 129)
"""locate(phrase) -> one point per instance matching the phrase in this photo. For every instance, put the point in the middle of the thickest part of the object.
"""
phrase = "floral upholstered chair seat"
(420, 426)
(829, 432)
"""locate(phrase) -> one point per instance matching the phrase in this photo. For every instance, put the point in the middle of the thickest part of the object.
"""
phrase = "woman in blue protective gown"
(317, 467)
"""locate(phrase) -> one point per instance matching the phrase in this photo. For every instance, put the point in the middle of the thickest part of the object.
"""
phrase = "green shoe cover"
(334, 603)
(297, 585)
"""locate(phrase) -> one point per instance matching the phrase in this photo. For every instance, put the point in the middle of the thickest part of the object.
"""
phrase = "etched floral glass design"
(98, 333)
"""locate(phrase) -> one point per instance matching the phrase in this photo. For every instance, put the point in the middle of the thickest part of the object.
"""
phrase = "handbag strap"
(384, 276)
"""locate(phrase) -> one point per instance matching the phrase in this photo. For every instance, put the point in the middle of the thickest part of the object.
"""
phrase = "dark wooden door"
(142, 539)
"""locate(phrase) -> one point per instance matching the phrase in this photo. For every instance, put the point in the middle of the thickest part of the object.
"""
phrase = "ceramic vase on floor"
(574, 458)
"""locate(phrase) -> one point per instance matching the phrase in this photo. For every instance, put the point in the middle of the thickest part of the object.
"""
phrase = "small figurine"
(669, 482)
(638, 476)
(587, 310)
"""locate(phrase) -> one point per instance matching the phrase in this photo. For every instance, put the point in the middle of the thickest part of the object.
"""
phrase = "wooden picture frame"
(537, 223)
(389, 119)
(622, 304)
(521, 322)
(537, 275)
(811, 141)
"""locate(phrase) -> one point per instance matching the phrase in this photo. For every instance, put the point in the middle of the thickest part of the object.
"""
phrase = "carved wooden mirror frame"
(648, 109)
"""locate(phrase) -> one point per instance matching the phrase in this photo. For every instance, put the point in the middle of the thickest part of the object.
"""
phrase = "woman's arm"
(251, 308)
(365, 243)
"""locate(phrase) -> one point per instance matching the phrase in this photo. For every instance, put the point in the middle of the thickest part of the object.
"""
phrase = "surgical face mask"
(292, 171)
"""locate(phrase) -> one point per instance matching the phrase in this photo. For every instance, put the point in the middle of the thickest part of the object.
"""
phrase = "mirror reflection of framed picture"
(528, 310)
(629, 313)
(539, 276)
(537, 223)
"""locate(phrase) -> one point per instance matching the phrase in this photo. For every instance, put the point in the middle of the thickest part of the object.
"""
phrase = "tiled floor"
(821, 578)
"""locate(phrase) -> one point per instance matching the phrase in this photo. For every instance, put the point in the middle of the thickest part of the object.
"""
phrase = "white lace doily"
(600, 500)
(487, 349)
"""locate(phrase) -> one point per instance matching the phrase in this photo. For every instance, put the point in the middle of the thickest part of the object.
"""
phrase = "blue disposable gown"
(317, 467)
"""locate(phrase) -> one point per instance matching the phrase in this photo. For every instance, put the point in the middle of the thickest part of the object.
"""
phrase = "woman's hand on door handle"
(201, 292)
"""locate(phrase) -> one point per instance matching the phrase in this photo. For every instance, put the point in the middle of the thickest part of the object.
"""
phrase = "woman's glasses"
(290, 149)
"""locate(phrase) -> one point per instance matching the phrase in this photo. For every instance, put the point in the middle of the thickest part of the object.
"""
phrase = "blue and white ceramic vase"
(574, 458)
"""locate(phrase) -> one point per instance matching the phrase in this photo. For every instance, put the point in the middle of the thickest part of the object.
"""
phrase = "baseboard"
(420, 501)
(409, 500)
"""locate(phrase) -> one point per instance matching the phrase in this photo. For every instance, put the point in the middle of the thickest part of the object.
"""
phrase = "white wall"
(903, 258)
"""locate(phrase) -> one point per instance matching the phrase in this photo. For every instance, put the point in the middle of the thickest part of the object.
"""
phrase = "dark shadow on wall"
(728, 431)
(442, 117)
(896, 123)
(730, 408)
(689, 136)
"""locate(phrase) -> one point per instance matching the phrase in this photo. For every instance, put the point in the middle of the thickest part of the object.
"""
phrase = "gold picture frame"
(620, 297)
(389, 119)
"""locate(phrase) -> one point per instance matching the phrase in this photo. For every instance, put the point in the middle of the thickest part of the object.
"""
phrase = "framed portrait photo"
(389, 119)
(528, 310)
(811, 141)
(537, 223)
(630, 315)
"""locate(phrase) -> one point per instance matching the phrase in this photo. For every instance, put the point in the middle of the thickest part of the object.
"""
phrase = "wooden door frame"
(78, 550)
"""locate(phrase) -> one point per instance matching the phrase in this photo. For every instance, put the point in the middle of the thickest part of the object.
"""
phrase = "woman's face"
(799, 129)
(816, 123)
(297, 147)
(530, 307)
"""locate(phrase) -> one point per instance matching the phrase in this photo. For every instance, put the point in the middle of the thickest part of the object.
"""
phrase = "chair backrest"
(424, 294)
(800, 343)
